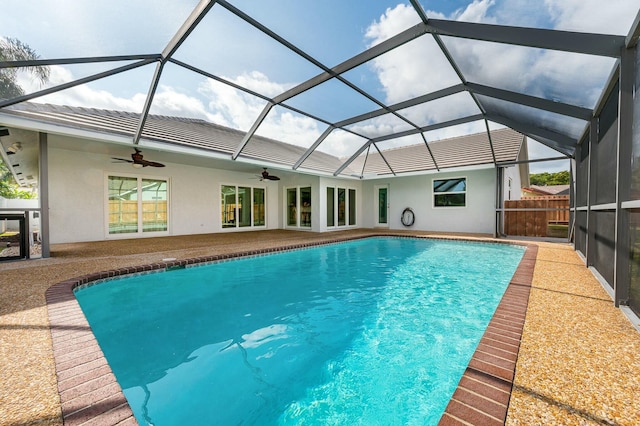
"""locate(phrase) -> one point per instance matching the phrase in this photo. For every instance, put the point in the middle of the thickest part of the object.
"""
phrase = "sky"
(330, 31)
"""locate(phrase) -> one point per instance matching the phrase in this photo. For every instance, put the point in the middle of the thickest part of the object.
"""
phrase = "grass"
(558, 231)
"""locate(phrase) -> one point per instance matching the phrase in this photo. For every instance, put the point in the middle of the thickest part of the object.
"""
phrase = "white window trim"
(237, 226)
(346, 207)
(298, 208)
(139, 233)
(376, 202)
(466, 192)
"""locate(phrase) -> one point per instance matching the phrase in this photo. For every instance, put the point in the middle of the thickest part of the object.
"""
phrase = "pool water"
(371, 332)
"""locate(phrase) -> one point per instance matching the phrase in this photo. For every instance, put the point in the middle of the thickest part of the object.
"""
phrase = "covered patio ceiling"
(342, 78)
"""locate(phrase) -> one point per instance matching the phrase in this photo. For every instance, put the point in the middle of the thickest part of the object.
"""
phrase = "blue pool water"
(369, 332)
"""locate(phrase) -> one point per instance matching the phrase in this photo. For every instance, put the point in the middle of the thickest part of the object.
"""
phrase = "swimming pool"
(371, 331)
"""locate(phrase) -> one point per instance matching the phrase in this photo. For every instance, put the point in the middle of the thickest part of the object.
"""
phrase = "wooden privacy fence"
(537, 216)
(123, 215)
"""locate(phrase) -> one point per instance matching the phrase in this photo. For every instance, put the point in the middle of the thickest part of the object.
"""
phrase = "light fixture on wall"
(14, 148)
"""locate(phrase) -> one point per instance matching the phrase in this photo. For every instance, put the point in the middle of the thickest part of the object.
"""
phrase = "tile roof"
(468, 150)
(461, 151)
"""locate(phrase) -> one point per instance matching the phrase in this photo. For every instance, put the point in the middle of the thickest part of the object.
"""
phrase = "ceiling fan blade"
(146, 163)
(271, 177)
(136, 159)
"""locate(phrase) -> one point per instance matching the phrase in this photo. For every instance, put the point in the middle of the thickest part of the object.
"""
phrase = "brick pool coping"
(90, 393)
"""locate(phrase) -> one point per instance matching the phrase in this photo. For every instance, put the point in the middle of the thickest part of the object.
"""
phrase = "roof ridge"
(55, 108)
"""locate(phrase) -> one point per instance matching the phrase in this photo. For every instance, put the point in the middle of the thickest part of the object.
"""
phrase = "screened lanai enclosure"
(354, 105)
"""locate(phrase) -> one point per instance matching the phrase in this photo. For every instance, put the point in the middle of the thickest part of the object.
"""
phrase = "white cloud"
(168, 101)
(612, 17)
(391, 23)
(82, 95)
(233, 108)
(560, 76)
(68, 28)
(400, 81)
(341, 144)
(215, 102)
(239, 110)
(289, 127)
(416, 68)
(477, 11)
(260, 83)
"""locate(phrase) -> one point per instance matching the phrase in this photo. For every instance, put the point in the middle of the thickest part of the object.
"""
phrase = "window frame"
(350, 219)
(140, 231)
(299, 210)
(434, 194)
(238, 224)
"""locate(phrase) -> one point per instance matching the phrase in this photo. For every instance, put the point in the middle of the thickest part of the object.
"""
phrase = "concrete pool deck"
(578, 363)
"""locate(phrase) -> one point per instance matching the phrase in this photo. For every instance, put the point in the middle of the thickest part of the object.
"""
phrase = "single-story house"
(81, 160)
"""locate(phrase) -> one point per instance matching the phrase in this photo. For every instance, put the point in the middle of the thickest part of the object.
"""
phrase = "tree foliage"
(8, 186)
(12, 50)
(546, 178)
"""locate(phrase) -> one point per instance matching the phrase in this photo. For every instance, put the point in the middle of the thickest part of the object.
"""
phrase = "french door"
(381, 198)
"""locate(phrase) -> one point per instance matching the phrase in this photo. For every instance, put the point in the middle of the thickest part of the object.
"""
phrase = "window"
(450, 192)
(258, 207)
(154, 205)
(342, 207)
(292, 207)
(299, 207)
(242, 206)
(341, 204)
(352, 207)
(137, 205)
(382, 204)
(331, 221)
(305, 207)
(228, 206)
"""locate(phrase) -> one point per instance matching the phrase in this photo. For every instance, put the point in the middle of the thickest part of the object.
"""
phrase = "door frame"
(376, 205)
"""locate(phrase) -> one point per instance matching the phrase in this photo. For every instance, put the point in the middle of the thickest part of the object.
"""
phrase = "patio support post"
(625, 134)
(493, 152)
(573, 202)
(43, 194)
(499, 231)
(591, 191)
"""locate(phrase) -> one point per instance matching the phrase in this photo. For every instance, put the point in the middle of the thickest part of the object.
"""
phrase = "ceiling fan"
(137, 160)
(267, 176)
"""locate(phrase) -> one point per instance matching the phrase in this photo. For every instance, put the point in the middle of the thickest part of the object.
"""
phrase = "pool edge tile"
(478, 408)
(84, 395)
(108, 406)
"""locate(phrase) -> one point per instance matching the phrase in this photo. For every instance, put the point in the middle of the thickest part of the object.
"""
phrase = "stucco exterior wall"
(416, 192)
(513, 193)
(361, 212)
(77, 191)
(78, 201)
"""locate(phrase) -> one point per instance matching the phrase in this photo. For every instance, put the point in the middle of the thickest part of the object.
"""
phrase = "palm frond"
(12, 49)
